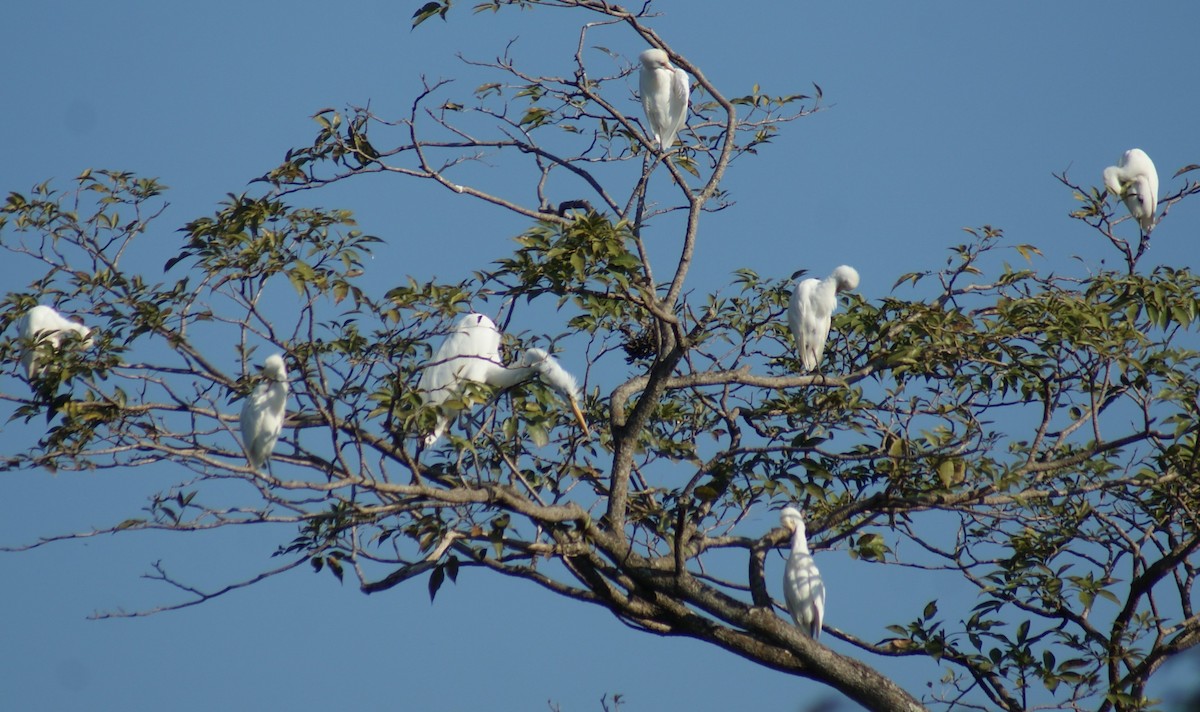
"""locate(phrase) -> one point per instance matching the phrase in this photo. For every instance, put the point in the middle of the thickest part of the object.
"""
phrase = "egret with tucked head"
(42, 328)
(1135, 180)
(803, 588)
(263, 411)
(810, 312)
(664, 89)
(471, 352)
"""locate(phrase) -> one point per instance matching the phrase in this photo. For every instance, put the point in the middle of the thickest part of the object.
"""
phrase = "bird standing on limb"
(263, 412)
(43, 329)
(471, 352)
(1135, 180)
(810, 312)
(803, 588)
(664, 89)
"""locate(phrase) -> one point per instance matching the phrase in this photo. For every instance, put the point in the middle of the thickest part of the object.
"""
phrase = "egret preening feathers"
(803, 588)
(811, 310)
(664, 89)
(1135, 180)
(558, 378)
(41, 326)
(471, 352)
(262, 413)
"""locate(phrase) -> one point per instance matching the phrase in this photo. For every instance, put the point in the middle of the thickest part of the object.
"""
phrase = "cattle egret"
(664, 90)
(802, 586)
(1135, 181)
(42, 328)
(262, 413)
(471, 352)
(811, 309)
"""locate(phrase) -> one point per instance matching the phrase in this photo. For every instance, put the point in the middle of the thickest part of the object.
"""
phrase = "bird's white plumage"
(803, 589)
(557, 377)
(551, 373)
(665, 91)
(42, 326)
(1135, 180)
(471, 352)
(263, 412)
(810, 312)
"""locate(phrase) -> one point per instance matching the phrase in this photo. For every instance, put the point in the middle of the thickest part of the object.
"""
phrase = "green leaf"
(951, 472)
(335, 567)
(436, 578)
(535, 116)
(1027, 250)
(687, 164)
(428, 10)
(340, 290)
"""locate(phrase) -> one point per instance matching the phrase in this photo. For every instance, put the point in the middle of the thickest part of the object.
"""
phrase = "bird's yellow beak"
(579, 416)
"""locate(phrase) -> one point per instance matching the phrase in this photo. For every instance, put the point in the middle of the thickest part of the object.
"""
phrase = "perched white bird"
(1135, 180)
(665, 91)
(471, 352)
(262, 413)
(42, 328)
(803, 588)
(811, 309)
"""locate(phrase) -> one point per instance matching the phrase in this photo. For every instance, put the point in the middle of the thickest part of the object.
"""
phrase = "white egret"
(42, 327)
(262, 413)
(1135, 180)
(471, 352)
(811, 309)
(664, 89)
(803, 588)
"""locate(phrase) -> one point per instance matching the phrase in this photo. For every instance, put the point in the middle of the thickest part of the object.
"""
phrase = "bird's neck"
(504, 377)
(799, 542)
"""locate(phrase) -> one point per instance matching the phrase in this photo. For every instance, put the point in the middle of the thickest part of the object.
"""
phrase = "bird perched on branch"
(42, 328)
(810, 312)
(803, 589)
(665, 94)
(1135, 180)
(471, 352)
(263, 411)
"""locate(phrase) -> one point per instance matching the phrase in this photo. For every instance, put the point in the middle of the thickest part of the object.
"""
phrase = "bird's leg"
(1143, 244)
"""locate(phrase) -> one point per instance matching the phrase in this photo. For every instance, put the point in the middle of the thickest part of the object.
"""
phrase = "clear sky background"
(938, 116)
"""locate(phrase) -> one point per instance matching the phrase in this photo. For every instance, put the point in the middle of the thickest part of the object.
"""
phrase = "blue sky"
(938, 116)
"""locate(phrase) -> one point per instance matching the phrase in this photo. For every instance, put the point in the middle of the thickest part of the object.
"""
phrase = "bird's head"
(274, 369)
(1112, 180)
(474, 322)
(655, 59)
(846, 278)
(792, 519)
(550, 372)
(558, 378)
